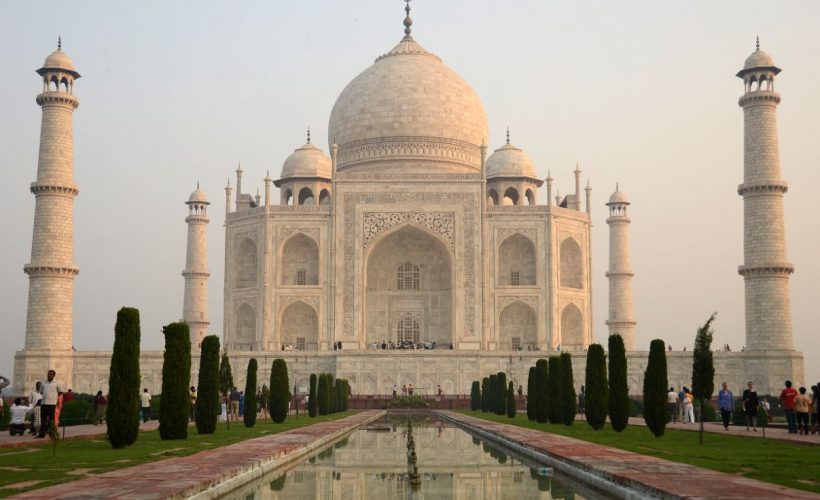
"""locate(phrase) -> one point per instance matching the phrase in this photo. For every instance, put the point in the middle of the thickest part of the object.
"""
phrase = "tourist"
(802, 406)
(68, 397)
(726, 401)
(786, 400)
(51, 393)
(100, 405)
(404, 390)
(410, 389)
(234, 404)
(688, 407)
(2, 405)
(521, 391)
(145, 405)
(242, 402)
(18, 416)
(193, 402)
(439, 391)
(750, 404)
(394, 391)
(582, 400)
(681, 397)
(815, 408)
(672, 401)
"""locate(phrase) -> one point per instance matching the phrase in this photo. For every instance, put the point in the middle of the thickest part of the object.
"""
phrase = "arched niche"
(518, 327)
(244, 328)
(492, 197)
(324, 197)
(246, 263)
(572, 328)
(516, 261)
(299, 327)
(572, 266)
(305, 196)
(300, 261)
(510, 197)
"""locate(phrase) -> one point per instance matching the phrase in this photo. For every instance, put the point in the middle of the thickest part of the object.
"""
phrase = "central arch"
(409, 275)
(300, 327)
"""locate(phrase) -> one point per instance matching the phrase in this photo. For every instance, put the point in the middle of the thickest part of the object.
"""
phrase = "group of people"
(802, 410)
(404, 344)
(681, 405)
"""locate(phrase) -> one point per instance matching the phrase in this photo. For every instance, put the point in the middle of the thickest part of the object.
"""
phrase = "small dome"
(307, 161)
(618, 197)
(198, 196)
(758, 59)
(509, 161)
(59, 60)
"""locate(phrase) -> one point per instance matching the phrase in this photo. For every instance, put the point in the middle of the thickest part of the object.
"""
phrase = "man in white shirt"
(18, 417)
(51, 393)
(672, 401)
(145, 405)
(33, 398)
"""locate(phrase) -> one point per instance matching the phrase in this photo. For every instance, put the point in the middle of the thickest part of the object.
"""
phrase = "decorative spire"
(407, 20)
(577, 168)
(197, 185)
(239, 168)
(308, 134)
(508, 134)
(59, 43)
(549, 175)
(229, 182)
(617, 187)
(757, 44)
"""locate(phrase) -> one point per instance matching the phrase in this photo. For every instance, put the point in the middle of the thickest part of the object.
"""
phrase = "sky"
(638, 92)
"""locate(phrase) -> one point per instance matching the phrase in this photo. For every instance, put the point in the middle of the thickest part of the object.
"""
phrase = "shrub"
(249, 412)
(554, 390)
(475, 396)
(708, 414)
(501, 393)
(542, 379)
(312, 396)
(176, 379)
(207, 402)
(330, 394)
(340, 394)
(485, 394)
(492, 399)
(531, 378)
(122, 416)
(76, 412)
(225, 381)
(279, 391)
(5, 418)
(510, 400)
(407, 402)
(703, 368)
(596, 387)
(321, 395)
(618, 387)
(655, 387)
(569, 401)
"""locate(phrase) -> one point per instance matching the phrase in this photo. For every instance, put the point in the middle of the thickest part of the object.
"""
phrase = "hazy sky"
(643, 93)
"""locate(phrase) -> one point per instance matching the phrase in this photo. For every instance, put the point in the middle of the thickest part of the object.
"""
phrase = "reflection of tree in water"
(278, 484)
(341, 444)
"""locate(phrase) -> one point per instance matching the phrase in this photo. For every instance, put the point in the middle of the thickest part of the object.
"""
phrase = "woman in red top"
(787, 402)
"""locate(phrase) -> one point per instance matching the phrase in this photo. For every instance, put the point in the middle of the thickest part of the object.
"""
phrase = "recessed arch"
(518, 327)
(572, 328)
(510, 197)
(516, 261)
(492, 197)
(299, 261)
(245, 327)
(305, 196)
(324, 197)
(287, 197)
(299, 327)
(530, 195)
(246, 263)
(572, 266)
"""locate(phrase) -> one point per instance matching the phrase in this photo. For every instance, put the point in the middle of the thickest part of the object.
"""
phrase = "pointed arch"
(518, 327)
(571, 268)
(244, 327)
(299, 261)
(572, 328)
(492, 197)
(246, 263)
(324, 197)
(516, 261)
(299, 327)
(530, 195)
(305, 196)
(510, 197)
(287, 197)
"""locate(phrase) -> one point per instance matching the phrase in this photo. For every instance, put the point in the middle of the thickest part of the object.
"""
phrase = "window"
(300, 277)
(516, 343)
(515, 278)
(407, 277)
(408, 330)
(300, 343)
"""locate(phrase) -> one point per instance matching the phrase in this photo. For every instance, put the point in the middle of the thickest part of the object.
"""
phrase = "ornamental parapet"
(759, 97)
(58, 98)
(59, 271)
(620, 322)
(763, 188)
(419, 148)
(768, 269)
(43, 188)
(197, 218)
(279, 209)
(619, 274)
(196, 274)
(618, 219)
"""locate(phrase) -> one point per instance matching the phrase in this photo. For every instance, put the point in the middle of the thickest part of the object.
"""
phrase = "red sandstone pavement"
(185, 476)
(665, 478)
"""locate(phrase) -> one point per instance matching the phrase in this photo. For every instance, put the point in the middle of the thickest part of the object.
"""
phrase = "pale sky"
(641, 93)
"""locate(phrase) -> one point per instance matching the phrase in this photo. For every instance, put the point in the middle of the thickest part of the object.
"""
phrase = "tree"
(475, 396)
(322, 398)
(619, 402)
(340, 394)
(655, 387)
(312, 408)
(501, 393)
(542, 407)
(226, 384)
(122, 416)
(596, 387)
(207, 400)
(493, 399)
(569, 401)
(485, 394)
(279, 391)
(531, 381)
(554, 386)
(331, 394)
(510, 400)
(176, 379)
(703, 369)
(249, 412)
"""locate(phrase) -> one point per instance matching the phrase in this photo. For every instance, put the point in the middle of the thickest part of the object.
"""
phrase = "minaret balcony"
(58, 98)
(767, 269)
(759, 97)
(763, 188)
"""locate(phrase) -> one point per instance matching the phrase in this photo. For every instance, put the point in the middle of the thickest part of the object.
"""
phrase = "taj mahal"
(414, 251)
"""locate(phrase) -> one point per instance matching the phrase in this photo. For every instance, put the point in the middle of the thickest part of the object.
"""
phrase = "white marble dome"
(198, 196)
(509, 161)
(307, 161)
(618, 197)
(758, 59)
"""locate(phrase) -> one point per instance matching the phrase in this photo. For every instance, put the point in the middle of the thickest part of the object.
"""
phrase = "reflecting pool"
(413, 458)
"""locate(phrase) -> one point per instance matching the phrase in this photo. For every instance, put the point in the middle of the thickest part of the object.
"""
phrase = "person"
(750, 404)
(52, 391)
(193, 402)
(2, 405)
(404, 390)
(815, 408)
(242, 402)
(18, 417)
(145, 405)
(681, 397)
(582, 400)
(672, 401)
(786, 400)
(100, 405)
(440, 392)
(726, 401)
(802, 405)
(688, 407)
(521, 391)
(234, 398)
(68, 397)
(33, 399)
(394, 391)
(410, 389)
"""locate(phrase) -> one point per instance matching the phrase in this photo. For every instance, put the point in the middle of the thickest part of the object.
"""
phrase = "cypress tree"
(249, 412)
(501, 394)
(176, 378)
(618, 389)
(703, 369)
(485, 394)
(226, 384)
(655, 387)
(279, 391)
(475, 396)
(569, 400)
(596, 387)
(554, 390)
(207, 401)
(312, 408)
(492, 401)
(531, 381)
(510, 400)
(122, 416)
(331, 394)
(340, 397)
(542, 379)
(322, 399)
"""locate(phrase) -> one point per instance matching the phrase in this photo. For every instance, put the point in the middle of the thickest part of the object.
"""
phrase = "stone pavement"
(72, 432)
(210, 473)
(644, 474)
(780, 434)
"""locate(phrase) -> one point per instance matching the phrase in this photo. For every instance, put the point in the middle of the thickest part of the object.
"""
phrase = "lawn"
(76, 459)
(779, 462)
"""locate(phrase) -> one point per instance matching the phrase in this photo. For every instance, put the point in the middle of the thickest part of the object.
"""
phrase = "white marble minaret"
(621, 319)
(195, 303)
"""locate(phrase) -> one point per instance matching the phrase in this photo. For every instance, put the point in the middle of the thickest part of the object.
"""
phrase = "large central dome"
(408, 108)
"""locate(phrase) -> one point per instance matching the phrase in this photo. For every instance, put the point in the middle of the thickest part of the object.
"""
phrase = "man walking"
(51, 393)
(672, 401)
(726, 400)
(234, 404)
(145, 405)
(787, 402)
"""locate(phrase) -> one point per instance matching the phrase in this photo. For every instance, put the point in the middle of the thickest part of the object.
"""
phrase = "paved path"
(72, 432)
(737, 430)
(648, 475)
(210, 473)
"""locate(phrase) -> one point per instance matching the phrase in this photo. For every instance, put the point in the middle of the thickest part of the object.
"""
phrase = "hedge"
(176, 380)
(122, 415)
(249, 411)
(279, 391)
(207, 402)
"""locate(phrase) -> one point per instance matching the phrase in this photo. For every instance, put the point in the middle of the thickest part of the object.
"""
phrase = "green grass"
(76, 459)
(789, 464)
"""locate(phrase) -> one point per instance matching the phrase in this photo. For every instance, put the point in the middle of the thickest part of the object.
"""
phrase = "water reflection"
(421, 458)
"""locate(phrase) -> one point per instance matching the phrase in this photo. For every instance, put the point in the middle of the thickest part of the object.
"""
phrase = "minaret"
(577, 203)
(621, 319)
(51, 271)
(195, 302)
(765, 268)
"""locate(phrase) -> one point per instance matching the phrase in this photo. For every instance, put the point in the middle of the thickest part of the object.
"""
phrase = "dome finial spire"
(59, 43)
(308, 134)
(757, 43)
(407, 20)
(508, 134)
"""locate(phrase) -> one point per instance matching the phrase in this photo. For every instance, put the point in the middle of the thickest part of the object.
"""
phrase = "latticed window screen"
(300, 277)
(300, 343)
(516, 343)
(408, 329)
(407, 277)
(515, 278)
